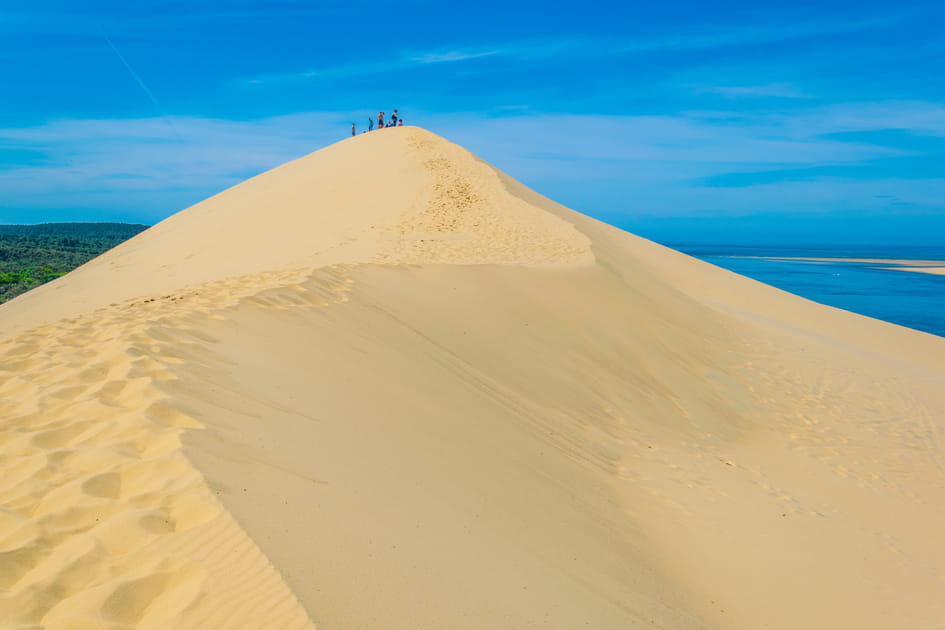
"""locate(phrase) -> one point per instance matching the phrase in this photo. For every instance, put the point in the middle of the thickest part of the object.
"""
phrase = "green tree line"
(31, 255)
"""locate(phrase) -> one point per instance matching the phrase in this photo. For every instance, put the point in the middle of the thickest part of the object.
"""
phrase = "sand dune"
(431, 398)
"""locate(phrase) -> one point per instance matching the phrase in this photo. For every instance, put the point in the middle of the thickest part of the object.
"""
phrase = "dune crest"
(401, 196)
(467, 216)
(387, 386)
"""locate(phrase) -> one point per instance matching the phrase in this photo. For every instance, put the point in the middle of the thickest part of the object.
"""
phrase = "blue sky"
(682, 121)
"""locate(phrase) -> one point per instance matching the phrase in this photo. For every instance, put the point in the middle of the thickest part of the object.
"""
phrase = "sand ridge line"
(642, 441)
(244, 446)
(104, 523)
(465, 215)
(427, 201)
(685, 447)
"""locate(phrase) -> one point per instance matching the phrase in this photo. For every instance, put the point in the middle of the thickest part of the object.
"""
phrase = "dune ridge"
(106, 524)
(397, 197)
(385, 385)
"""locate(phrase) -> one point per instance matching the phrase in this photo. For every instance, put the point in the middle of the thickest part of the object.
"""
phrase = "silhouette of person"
(353, 132)
(370, 124)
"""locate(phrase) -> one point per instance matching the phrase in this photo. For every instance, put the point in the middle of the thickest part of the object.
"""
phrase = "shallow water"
(915, 300)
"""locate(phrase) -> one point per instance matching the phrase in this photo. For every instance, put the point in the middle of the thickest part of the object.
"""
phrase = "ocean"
(914, 300)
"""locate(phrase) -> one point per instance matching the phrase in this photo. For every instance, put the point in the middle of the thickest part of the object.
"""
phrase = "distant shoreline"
(881, 261)
(935, 271)
(932, 267)
(862, 280)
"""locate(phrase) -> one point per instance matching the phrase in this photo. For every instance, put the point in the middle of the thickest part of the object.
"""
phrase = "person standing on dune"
(370, 123)
(380, 120)
(353, 132)
(393, 119)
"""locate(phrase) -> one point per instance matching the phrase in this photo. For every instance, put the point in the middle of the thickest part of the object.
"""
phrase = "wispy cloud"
(138, 166)
(401, 62)
(453, 55)
(919, 117)
(804, 161)
(669, 149)
(689, 39)
(770, 90)
(573, 48)
(660, 163)
(753, 34)
(153, 17)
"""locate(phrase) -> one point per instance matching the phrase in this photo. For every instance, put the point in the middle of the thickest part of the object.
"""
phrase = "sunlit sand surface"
(386, 386)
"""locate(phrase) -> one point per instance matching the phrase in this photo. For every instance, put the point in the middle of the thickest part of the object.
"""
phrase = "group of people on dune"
(395, 121)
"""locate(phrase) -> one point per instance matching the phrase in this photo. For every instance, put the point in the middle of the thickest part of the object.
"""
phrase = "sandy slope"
(384, 386)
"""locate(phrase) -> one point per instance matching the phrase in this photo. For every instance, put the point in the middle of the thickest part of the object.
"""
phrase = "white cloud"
(402, 62)
(651, 161)
(572, 48)
(453, 55)
(140, 165)
(677, 147)
(777, 90)
(917, 117)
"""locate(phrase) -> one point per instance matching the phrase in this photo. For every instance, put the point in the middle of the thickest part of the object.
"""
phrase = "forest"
(31, 255)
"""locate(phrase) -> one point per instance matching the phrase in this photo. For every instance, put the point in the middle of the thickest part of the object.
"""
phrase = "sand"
(884, 261)
(934, 267)
(432, 398)
(937, 271)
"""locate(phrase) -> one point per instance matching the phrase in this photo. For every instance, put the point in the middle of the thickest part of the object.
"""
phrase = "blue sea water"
(915, 300)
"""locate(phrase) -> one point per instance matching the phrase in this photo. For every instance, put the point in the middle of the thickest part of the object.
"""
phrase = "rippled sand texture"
(385, 386)
(104, 522)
